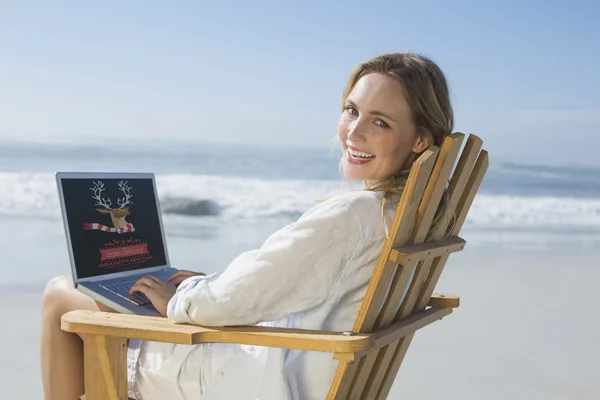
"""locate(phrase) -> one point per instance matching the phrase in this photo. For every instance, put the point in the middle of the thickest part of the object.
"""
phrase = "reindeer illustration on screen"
(117, 215)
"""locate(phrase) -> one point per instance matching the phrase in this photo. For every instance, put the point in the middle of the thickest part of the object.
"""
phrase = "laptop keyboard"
(121, 288)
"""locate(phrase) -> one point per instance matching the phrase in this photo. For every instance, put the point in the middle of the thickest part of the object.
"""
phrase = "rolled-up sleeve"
(298, 267)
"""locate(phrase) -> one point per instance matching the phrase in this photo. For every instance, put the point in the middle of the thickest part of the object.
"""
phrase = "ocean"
(241, 182)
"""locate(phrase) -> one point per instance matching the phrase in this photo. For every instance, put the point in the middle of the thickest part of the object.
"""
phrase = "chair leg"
(105, 366)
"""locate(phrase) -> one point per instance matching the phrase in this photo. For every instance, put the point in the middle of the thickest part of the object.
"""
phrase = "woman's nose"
(356, 132)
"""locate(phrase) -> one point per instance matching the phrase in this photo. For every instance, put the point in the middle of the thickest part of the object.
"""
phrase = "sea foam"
(34, 195)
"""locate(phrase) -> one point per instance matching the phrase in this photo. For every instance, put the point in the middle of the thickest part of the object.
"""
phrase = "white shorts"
(158, 371)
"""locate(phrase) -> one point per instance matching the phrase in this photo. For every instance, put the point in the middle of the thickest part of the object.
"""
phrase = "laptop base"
(96, 291)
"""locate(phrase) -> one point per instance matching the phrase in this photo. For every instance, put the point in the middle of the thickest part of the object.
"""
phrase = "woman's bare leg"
(62, 352)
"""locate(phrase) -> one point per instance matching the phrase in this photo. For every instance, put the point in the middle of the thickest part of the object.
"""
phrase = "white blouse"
(311, 274)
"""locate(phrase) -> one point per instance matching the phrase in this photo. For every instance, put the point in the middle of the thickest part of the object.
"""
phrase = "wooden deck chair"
(399, 300)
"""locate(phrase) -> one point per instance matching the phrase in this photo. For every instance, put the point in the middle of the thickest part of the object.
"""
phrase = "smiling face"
(376, 129)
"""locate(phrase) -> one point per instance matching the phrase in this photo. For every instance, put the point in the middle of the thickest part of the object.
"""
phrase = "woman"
(311, 274)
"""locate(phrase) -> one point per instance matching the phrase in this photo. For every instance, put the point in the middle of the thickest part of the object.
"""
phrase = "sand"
(19, 344)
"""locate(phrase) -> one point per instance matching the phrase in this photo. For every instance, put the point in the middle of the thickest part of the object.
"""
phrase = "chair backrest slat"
(465, 192)
(371, 370)
(399, 233)
(457, 187)
(429, 204)
(463, 169)
(438, 183)
(473, 184)
(397, 291)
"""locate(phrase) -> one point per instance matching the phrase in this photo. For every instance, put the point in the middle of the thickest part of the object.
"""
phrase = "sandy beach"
(524, 330)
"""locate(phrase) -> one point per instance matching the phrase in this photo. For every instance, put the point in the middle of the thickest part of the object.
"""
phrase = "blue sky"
(525, 76)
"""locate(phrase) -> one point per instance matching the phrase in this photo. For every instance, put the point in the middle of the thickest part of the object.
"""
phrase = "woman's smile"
(357, 157)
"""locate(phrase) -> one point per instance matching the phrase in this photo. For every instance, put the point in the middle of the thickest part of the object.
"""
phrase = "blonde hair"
(427, 93)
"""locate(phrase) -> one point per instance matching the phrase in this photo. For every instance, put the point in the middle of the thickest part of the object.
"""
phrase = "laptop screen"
(114, 224)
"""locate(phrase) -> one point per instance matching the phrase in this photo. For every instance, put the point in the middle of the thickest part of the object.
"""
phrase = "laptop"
(115, 236)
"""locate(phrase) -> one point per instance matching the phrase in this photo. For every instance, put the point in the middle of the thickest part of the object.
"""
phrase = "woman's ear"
(423, 143)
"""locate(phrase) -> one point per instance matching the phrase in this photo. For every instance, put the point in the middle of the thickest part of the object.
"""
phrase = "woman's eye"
(352, 110)
(382, 124)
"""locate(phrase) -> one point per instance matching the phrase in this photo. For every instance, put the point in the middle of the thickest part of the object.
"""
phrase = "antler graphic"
(126, 190)
(98, 189)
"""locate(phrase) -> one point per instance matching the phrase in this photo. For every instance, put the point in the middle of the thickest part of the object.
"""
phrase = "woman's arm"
(297, 268)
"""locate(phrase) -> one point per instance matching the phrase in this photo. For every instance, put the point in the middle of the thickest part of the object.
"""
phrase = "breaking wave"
(34, 195)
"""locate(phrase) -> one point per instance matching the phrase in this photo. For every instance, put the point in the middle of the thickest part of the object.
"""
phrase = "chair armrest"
(413, 253)
(398, 330)
(345, 347)
(159, 329)
(444, 301)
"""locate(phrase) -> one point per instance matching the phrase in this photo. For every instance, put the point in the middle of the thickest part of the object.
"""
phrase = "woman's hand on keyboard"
(181, 276)
(158, 292)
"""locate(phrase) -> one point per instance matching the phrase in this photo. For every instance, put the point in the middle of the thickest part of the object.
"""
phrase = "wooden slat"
(462, 208)
(455, 189)
(398, 330)
(463, 169)
(105, 364)
(418, 252)
(436, 184)
(458, 186)
(403, 274)
(433, 194)
(444, 301)
(392, 371)
(369, 366)
(341, 380)
(400, 229)
(162, 330)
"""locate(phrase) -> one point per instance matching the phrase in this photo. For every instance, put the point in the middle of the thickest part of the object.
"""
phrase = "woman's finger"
(140, 286)
(148, 281)
(177, 279)
(155, 280)
(173, 276)
(181, 275)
